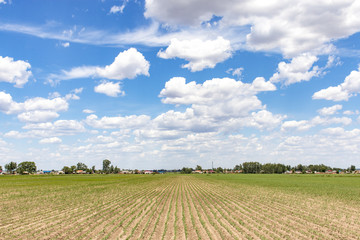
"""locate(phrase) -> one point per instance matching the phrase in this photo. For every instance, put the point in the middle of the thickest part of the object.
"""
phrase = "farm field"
(174, 206)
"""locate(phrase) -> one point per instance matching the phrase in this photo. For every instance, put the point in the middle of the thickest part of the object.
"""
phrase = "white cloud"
(117, 9)
(299, 69)
(236, 71)
(128, 64)
(131, 121)
(216, 104)
(330, 110)
(110, 89)
(89, 111)
(217, 96)
(292, 27)
(51, 140)
(65, 44)
(37, 116)
(14, 71)
(327, 121)
(2, 2)
(200, 54)
(36, 109)
(297, 125)
(349, 88)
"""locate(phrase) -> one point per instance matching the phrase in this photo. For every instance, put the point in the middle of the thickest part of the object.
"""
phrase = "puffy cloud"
(14, 71)
(131, 121)
(297, 125)
(36, 109)
(217, 97)
(37, 116)
(128, 64)
(350, 87)
(299, 69)
(51, 140)
(327, 121)
(216, 104)
(65, 44)
(2, 2)
(89, 111)
(117, 9)
(236, 71)
(330, 110)
(200, 54)
(292, 27)
(109, 88)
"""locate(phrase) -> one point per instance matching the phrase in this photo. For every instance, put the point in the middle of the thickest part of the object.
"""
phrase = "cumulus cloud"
(288, 26)
(299, 69)
(305, 125)
(89, 111)
(349, 88)
(216, 104)
(110, 89)
(117, 9)
(16, 72)
(200, 54)
(2, 2)
(330, 110)
(36, 109)
(126, 122)
(65, 44)
(128, 64)
(52, 140)
(296, 125)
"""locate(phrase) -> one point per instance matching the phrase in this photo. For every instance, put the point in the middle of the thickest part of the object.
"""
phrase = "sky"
(163, 84)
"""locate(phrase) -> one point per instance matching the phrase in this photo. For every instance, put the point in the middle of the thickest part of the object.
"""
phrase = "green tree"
(81, 166)
(219, 170)
(186, 170)
(11, 167)
(106, 166)
(29, 167)
(112, 169)
(251, 167)
(117, 170)
(93, 169)
(73, 168)
(352, 168)
(67, 170)
(198, 167)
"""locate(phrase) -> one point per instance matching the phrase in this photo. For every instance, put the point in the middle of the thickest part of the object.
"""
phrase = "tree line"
(28, 167)
(270, 168)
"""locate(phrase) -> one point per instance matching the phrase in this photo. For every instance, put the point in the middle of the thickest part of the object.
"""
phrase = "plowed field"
(174, 206)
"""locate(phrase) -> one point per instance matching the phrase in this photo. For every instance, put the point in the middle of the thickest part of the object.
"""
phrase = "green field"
(174, 206)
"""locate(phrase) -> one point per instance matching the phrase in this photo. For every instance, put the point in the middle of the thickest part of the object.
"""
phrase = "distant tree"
(93, 169)
(11, 167)
(81, 166)
(219, 170)
(29, 167)
(0, 168)
(198, 167)
(117, 170)
(73, 168)
(238, 167)
(67, 170)
(251, 167)
(106, 166)
(186, 170)
(111, 170)
(352, 168)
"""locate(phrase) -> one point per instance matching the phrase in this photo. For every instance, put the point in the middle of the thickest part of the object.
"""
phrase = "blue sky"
(167, 84)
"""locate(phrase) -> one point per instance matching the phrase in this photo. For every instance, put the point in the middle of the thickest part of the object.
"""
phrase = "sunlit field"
(175, 206)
